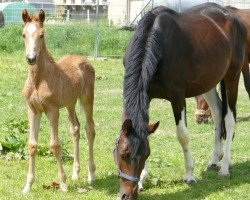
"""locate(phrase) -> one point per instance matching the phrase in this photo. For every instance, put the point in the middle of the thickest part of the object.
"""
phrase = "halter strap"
(120, 173)
(127, 177)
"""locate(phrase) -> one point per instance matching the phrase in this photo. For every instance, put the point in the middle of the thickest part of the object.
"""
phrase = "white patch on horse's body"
(183, 137)
(31, 29)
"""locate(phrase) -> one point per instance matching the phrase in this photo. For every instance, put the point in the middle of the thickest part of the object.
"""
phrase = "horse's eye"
(41, 36)
(23, 35)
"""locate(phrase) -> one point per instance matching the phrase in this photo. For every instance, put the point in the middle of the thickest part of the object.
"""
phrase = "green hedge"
(70, 38)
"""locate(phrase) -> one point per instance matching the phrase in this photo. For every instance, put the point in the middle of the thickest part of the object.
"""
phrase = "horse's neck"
(45, 65)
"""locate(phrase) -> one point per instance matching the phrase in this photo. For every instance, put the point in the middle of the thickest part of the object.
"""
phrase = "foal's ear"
(127, 126)
(25, 16)
(152, 127)
(41, 16)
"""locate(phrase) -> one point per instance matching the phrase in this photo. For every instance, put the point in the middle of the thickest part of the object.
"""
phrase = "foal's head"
(33, 35)
(130, 155)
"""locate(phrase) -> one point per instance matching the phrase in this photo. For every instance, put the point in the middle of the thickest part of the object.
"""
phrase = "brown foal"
(51, 86)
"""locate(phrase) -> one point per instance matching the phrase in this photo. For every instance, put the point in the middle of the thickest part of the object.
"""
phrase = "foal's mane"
(140, 61)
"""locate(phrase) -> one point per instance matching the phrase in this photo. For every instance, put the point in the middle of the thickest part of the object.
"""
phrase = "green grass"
(166, 160)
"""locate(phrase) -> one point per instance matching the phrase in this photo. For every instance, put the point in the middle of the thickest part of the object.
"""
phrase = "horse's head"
(33, 35)
(130, 155)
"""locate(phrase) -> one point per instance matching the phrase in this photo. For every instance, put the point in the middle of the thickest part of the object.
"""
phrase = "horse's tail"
(246, 76)
(224, 109)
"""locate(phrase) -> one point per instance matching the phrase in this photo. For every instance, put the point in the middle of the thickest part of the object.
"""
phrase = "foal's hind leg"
(55, 145)
(75, 131)
(179, 110)
(87, 101)
(214, 103)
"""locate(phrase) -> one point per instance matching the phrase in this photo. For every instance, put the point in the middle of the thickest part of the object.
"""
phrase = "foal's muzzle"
(31, 59)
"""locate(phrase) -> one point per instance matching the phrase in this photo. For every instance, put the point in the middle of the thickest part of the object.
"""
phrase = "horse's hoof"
(190, 182)
(212, 167)
(224, 176)
(140, 189)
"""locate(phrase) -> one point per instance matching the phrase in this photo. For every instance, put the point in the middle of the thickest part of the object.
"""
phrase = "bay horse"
(51, 86)
(203, 111)
(174, 56)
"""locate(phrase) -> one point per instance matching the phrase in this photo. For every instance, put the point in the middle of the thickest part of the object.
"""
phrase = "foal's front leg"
(179, 110)
(55, 145)
(34, 123)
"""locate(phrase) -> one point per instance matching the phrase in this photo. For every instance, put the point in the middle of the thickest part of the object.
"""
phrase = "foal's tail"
(224, 109)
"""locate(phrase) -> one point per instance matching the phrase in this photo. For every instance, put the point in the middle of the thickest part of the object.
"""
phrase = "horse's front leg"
(34, 123)
(143, 177)
(179, 109)
(55, 145)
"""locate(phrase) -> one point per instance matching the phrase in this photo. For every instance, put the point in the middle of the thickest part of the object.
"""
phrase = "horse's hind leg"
(75, 131)
(230, 122)
(214, 103)
(246, 76)
(87, 101)
(34, 123)
(179, 109)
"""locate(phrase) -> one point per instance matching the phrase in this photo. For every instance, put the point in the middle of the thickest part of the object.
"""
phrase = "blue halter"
(120, 173)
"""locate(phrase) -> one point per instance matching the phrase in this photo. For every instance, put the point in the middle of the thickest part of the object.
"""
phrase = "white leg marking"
(214, 103)
(143, 177)
(34, 123)
(230, 128)
(183, 137)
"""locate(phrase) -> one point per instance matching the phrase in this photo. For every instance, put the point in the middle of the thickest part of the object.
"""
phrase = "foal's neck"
(37, 72)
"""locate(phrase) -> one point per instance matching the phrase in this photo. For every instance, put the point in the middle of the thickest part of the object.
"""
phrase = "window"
(73, 2)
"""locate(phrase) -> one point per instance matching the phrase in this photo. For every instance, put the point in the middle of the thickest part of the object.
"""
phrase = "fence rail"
(114, 13)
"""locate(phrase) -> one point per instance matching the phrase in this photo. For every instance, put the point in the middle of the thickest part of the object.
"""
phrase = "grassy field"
(165, 163)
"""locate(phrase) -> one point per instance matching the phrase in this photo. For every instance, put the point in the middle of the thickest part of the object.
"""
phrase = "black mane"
(140, 63)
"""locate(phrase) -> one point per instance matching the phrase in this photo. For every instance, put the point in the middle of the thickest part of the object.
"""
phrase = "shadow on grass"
(109, 183)
(208, 184)
(243, 119)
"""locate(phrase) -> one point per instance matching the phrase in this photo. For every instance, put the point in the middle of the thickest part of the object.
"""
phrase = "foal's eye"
(23, 35)
(41, 36)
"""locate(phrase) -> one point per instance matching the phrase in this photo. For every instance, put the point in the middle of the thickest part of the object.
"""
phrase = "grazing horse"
(51, 86)
(203, 111)
(174, 56)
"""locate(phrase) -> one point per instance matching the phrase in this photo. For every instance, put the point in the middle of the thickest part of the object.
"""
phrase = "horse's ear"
(41, 16)
(152, 127)
(25, 16)
(127, 126)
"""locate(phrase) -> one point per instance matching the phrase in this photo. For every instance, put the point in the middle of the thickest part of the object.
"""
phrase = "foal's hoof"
(26, 190)
(224, 176)
(64, 187)
(190, 182)
(75, 177)
(212, 167)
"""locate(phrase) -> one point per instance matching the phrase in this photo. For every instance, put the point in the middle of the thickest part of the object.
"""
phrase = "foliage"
(71, 38)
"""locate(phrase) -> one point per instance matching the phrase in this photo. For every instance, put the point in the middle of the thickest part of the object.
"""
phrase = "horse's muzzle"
(31, 59)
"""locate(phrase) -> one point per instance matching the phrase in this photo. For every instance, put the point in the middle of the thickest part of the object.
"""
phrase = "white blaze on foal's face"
(33, 37)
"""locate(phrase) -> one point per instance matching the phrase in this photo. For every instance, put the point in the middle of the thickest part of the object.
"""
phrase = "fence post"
(97, 30)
